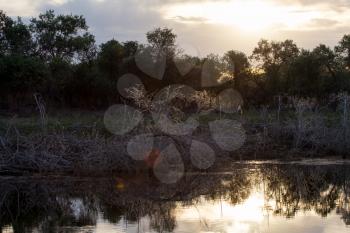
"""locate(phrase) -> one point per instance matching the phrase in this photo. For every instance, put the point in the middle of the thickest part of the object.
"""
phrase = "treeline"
(56, 56)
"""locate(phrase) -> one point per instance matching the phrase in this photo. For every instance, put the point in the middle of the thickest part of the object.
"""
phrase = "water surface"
(249, 199)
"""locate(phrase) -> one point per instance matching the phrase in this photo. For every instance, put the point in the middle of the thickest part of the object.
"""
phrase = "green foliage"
(162, 40)
(305, 75)
(61, 37)
(343, 50)
(19, 73)
(110, 59)
(20, 78)
(57, 56)
(15, 37)
(273, 58)
(238, 66)
(237, 62)
(274, 53)
(130, 48)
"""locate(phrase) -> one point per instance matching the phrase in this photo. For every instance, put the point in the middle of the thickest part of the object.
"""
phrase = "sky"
(204, 26)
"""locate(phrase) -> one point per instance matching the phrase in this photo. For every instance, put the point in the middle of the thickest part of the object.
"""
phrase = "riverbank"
(78, 143)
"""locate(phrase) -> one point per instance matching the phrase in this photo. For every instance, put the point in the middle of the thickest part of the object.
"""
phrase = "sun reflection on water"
(221, 216)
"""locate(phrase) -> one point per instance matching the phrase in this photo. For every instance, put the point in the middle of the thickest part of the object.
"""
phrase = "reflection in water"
(253, 198)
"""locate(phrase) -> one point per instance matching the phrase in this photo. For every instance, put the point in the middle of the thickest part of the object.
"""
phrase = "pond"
(250, 198)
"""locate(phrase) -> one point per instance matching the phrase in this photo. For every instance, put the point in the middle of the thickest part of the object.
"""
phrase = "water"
(250, 198)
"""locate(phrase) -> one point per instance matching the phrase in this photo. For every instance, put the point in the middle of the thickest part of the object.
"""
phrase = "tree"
(274, 53)
(110, 59)
(162, 40)
(61, 37)
(15, 37)
(238, 64)
(306, 75)
(4, 22)
(343, 50)
(273, 59)
(88, 52)
(3, 19)
(214, 72)
(327, 58)
(87, 88)
(130, 48)
(20, 78)
(237, 61)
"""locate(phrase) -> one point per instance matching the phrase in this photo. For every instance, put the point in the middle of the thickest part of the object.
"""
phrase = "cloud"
(122, 20)
(337, 5)
(131, 19)
(323, 22)
(190, 19)
(26, 8)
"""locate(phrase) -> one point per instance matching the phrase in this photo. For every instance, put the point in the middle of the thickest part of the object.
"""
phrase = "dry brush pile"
(306, 127)
(62, 153)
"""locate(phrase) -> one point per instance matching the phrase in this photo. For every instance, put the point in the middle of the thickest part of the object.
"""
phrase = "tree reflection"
(48, 205)
(317, 188)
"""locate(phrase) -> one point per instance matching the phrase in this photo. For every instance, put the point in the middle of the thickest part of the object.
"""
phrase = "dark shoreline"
(84, 147)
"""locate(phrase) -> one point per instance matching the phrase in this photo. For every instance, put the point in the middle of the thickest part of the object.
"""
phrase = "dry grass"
(300, 129)
(305, 128)
(62, 152)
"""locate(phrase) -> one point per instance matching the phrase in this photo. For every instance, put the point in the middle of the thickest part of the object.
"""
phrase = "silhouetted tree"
(56, 55)
(15, 37)
(238, 64)
(110, 59)
(273, 58)
(61, 36)
(343, 50)
(162, 40)
(130, 48)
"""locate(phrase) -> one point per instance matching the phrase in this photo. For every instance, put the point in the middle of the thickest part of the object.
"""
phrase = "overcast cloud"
(321, 21)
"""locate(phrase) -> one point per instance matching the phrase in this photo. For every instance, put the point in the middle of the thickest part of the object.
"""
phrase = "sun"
(247, 15)
(250, 15)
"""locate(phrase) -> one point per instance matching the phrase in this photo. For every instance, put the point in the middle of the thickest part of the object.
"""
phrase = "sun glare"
(232, 218)
(253, 15)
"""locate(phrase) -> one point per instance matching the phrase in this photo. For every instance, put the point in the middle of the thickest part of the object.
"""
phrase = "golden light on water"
(250, 210)
(221, 216)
